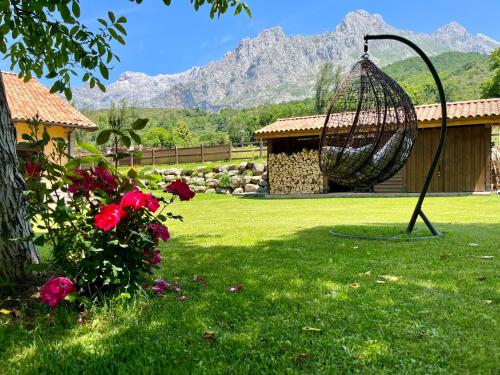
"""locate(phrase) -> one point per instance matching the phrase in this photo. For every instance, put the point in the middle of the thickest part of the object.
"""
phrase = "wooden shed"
(464, 166)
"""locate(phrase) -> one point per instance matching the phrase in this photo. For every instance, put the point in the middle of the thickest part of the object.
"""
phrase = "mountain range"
(274, 67)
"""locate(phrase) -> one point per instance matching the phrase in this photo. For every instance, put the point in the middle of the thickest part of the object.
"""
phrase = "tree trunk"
(15, 251)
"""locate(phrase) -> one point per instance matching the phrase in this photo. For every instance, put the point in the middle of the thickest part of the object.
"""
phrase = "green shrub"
(225, 181)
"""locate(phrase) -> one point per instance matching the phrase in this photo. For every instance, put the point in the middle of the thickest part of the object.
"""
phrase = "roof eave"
(63, 124)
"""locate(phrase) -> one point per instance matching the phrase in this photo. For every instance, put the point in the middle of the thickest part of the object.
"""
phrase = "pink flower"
(160, 286)
(134, 199)
(159, 231)
(109, 216)
(180, 188)
(200, 279)
(156, 257)
(183, 298)
(56, 290)
(152, 203)
(33, 169)
(176, 288)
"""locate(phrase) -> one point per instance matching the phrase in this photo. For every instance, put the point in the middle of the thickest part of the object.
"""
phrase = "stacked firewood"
(495, 168)
(296, 173)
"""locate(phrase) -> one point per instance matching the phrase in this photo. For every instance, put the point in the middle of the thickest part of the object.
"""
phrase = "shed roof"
(27, 99)
(470, 112)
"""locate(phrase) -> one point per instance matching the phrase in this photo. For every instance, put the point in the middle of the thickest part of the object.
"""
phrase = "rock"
(170, 177)
(200, 169)
(220, 190)
(238, 191)
(263, 183)
(186, 172)
(247, 179)
(209, 175)
(212, 182)
(233, 172)
(191, 186)
(250, 164)
(217, 169)
(200, 189)
(258, 169)
(187, 179)
(243, 166)
(218, 174)
(174, 171)
(210, 191)
(200, 181)
(262, 190)
(255, 179)
(231, 167)
(236, 181)
(162, 185)
(251, 188)
(264, 175)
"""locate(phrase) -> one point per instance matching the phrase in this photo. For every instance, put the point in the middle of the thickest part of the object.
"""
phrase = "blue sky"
(172, 39)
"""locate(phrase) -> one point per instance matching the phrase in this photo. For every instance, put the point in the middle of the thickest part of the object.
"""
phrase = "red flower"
(134, 199)
(109, 216)
(235, 289)
(105, 180)
(152, 204)
(33, 169)
(180, 188)
(159, 231)
(82, 184)
(56, 290)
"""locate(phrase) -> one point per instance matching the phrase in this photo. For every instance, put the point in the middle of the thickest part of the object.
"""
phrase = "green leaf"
(111, 16)
(140, 123)
(122, 19)
(71, 297)
(73, 163)
(126, 141)
(135, 136)
(103, 137)
(132, 173)
(90, 148)
(123, 296)
(76, 9)
(40, 240)
(90, 159)
(68, 94)
(104, 71)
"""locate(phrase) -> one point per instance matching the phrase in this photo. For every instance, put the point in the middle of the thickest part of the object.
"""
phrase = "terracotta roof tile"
(470, 109)
(26, 99)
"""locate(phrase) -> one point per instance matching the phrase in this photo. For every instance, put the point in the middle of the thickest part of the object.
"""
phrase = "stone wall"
(296, 173)
(247, 177)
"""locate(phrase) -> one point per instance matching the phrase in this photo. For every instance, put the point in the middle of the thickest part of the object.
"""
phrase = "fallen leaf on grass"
(486, 256)
(209, 336)
(235, 289)
(380, 282)
(389, 278)
(355, 285)
(300, 357)
(200, 279)
(473, 244)
(311, 329)
(488, 301)
(183, 298)
(367, 273)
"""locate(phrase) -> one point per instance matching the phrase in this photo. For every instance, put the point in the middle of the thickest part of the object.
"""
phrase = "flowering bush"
(104, 231)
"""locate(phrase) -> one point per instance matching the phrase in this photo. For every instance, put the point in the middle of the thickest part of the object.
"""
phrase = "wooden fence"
(176, 155)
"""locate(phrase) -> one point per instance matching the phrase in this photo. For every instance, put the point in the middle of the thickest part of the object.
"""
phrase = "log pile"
(296, 173)
(495, 168)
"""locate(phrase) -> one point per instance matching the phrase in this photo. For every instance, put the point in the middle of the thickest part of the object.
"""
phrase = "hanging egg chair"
(370, 128)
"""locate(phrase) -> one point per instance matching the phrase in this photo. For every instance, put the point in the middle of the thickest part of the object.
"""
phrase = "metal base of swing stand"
(402, 236)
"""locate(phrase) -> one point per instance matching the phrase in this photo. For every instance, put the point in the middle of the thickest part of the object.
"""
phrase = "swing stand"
(408, 234)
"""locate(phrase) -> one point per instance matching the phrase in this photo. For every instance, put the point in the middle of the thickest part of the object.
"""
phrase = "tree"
(213, 138)
(327, 82)
(47, 38)
(491, 87)
(182, 134)
(158, 137)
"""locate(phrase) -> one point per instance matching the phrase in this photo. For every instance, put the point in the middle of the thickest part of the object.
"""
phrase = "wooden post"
(131, 159)
(153, 161)
(230, 150)
(176, 155)
(260, 148)
(202, 154)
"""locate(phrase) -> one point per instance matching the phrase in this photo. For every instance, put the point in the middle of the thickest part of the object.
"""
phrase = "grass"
(434, 319)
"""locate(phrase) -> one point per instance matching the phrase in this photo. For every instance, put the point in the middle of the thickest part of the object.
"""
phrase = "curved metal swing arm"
(439, 150)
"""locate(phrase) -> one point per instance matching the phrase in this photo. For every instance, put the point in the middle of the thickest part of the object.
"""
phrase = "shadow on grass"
(431, 318)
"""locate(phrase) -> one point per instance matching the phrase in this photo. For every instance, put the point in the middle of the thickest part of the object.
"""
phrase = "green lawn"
(440, 316)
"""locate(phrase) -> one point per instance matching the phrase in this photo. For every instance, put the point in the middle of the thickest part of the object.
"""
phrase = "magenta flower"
(180, 188)
(159, 231)
(55, 290)
(134, 199)
(160, 286)
(152, 203)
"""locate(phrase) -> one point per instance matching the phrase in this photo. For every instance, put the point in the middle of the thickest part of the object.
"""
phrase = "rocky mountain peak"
(274, 67)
